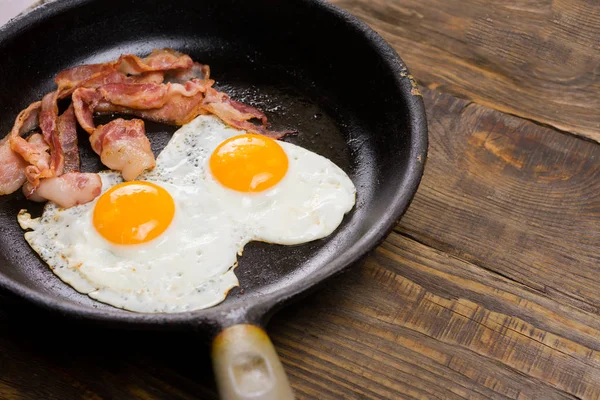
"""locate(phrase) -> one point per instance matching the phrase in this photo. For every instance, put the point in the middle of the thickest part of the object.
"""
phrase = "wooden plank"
(410, 322)
(413, 322)
(513, 197)
(539, 59)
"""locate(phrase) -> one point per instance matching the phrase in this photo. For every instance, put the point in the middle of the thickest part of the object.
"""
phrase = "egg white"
(190, 266)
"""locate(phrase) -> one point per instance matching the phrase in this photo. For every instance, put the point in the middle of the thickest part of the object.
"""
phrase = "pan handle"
(247, 367)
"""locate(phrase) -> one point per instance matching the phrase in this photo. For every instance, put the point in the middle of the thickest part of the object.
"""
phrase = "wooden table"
(489, 287)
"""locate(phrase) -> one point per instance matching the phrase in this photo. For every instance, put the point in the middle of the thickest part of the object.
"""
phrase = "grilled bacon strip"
(238, 115)
(67, 137)
(48, 125)
(158, 60)
(67, 190)
(144, 70)
(171, 103)
(12, 165)
(178, 104)
(123, 146)
(35, 151)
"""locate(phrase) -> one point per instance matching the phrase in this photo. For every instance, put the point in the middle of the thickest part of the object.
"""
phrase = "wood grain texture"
(513, 197)
(410, 322)
(539, 59)
(413, 322)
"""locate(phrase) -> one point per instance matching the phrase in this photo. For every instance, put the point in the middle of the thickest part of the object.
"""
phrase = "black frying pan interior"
(305, 65)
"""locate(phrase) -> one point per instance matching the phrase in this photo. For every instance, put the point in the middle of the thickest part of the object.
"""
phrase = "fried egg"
(169, 241)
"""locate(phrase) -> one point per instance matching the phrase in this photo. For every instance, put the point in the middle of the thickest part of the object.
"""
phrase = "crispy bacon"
(73, 76)
(67, 190)
(12, 169)
(158, 60)
(12, 165)
(146, 77)
(94, 75)
(137, 96)
(143, 70)
(144, 100)
(27, 120)
(238, 115)
(91, 75)
(171, 103)
(48, 124)
(35, 159)
(60, 134)
(84, 102)
(67, 137)
(197, 71)
(35, 152)
(123, 146)
(105, 77)
(181, 104)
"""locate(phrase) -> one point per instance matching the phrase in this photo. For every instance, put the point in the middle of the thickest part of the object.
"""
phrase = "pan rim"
(223, 314)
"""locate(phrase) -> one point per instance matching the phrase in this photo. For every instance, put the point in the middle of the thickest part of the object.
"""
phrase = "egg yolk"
(249, 163)
(133, 212)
